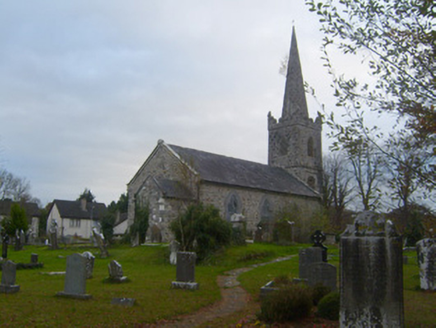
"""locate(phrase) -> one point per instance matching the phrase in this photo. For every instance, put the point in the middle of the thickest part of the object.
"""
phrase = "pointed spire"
(294, 103)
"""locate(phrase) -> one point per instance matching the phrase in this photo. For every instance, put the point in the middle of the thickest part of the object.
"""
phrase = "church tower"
(295, 139)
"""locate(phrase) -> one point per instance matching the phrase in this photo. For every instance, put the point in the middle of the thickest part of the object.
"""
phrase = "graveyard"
(148, 281)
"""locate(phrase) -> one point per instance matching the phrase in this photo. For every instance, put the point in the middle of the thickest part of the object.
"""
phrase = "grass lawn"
(150, 276)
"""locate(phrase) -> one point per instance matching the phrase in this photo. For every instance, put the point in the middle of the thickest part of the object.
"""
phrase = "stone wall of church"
(161, 164)
(251, 202)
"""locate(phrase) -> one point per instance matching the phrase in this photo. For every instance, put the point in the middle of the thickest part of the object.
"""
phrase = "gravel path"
(233, 299)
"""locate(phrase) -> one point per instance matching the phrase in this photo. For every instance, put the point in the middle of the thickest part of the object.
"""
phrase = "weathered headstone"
(5, 242)
(174, 248)
(100, 242)
(426, 250)
(18, 242)
(306, 257)
(123, 301)
(185, 271)
(89, 264)
(116, 272)
(322, 273)
(371, 274)
(75, 278)
(34, 258)
(54, 234)
(318, 237)
(8, 285)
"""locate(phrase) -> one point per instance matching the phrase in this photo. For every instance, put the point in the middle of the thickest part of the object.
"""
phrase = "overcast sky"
(87, 88)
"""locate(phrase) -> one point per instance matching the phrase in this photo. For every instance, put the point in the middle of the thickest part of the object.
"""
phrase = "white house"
(32, 212)
(75, 218)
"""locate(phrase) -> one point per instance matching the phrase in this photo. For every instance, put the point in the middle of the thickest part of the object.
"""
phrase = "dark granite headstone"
(5, 242)
(33, 258)
(371, 274)
(322, 273)
(185, 271)
(426, 250)
(308, 256)
(8, 285)
(75, 278)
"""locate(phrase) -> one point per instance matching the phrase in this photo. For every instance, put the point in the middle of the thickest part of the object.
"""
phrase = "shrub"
(318, 292)
(328, 306)
(287, 304)
(200, 229)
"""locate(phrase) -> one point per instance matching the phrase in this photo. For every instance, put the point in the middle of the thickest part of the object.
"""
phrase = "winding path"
(233, 299)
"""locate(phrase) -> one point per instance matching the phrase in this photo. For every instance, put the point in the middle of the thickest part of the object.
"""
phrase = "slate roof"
(173, 189)
(237, 172)
(73, 209)
(32, 209)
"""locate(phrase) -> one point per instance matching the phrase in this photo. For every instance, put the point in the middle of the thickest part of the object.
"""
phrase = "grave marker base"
(75, 296)
(185, 285)
(9, 289)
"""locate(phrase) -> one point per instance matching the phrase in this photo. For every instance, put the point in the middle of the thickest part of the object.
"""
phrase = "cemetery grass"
(150, 276)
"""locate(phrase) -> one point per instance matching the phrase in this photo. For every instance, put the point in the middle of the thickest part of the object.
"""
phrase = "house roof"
(237, 172)
(32, 209)
(73, 209)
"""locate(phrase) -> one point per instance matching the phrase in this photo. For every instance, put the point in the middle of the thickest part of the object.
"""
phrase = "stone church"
(173, 177)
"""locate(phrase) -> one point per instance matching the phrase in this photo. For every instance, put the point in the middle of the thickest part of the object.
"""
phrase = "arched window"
(310, 149)
(311, 182)
(266, 212)
(233, 205)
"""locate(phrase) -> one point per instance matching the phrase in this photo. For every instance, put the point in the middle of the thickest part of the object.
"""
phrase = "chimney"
(83, 204)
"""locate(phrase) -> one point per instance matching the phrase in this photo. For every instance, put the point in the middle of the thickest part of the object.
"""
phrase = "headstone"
(8, 285)
(5, 242)
(54, 234)
(123, 301)
(322, 273)
(18, 242)
(100, 242)
(426, 250)
(185, 271)
(306, 257)
(34, 258)
(318, 237)
(174, 248)
(22, 238)
(75, 278)
(116, 272)
(371, 274)
(89, 264)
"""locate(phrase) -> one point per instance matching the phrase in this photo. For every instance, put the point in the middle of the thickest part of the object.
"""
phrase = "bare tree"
(14, 188)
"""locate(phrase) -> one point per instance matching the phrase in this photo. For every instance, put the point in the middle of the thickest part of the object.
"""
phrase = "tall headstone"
(8, 285)
(426, 249)
(371, 274)
(89, 264)
(174, 249)
(116, 272)
(306, 257)
(5, 242)
(54, 234)
(185, 271)
(100, 242)
(75, 278)
(18, 241)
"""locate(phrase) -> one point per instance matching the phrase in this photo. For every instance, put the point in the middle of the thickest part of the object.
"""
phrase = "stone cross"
(75, 278)
(185, 271)
(8, 285)
(318, 237)
(426, 249)
(371, 274)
